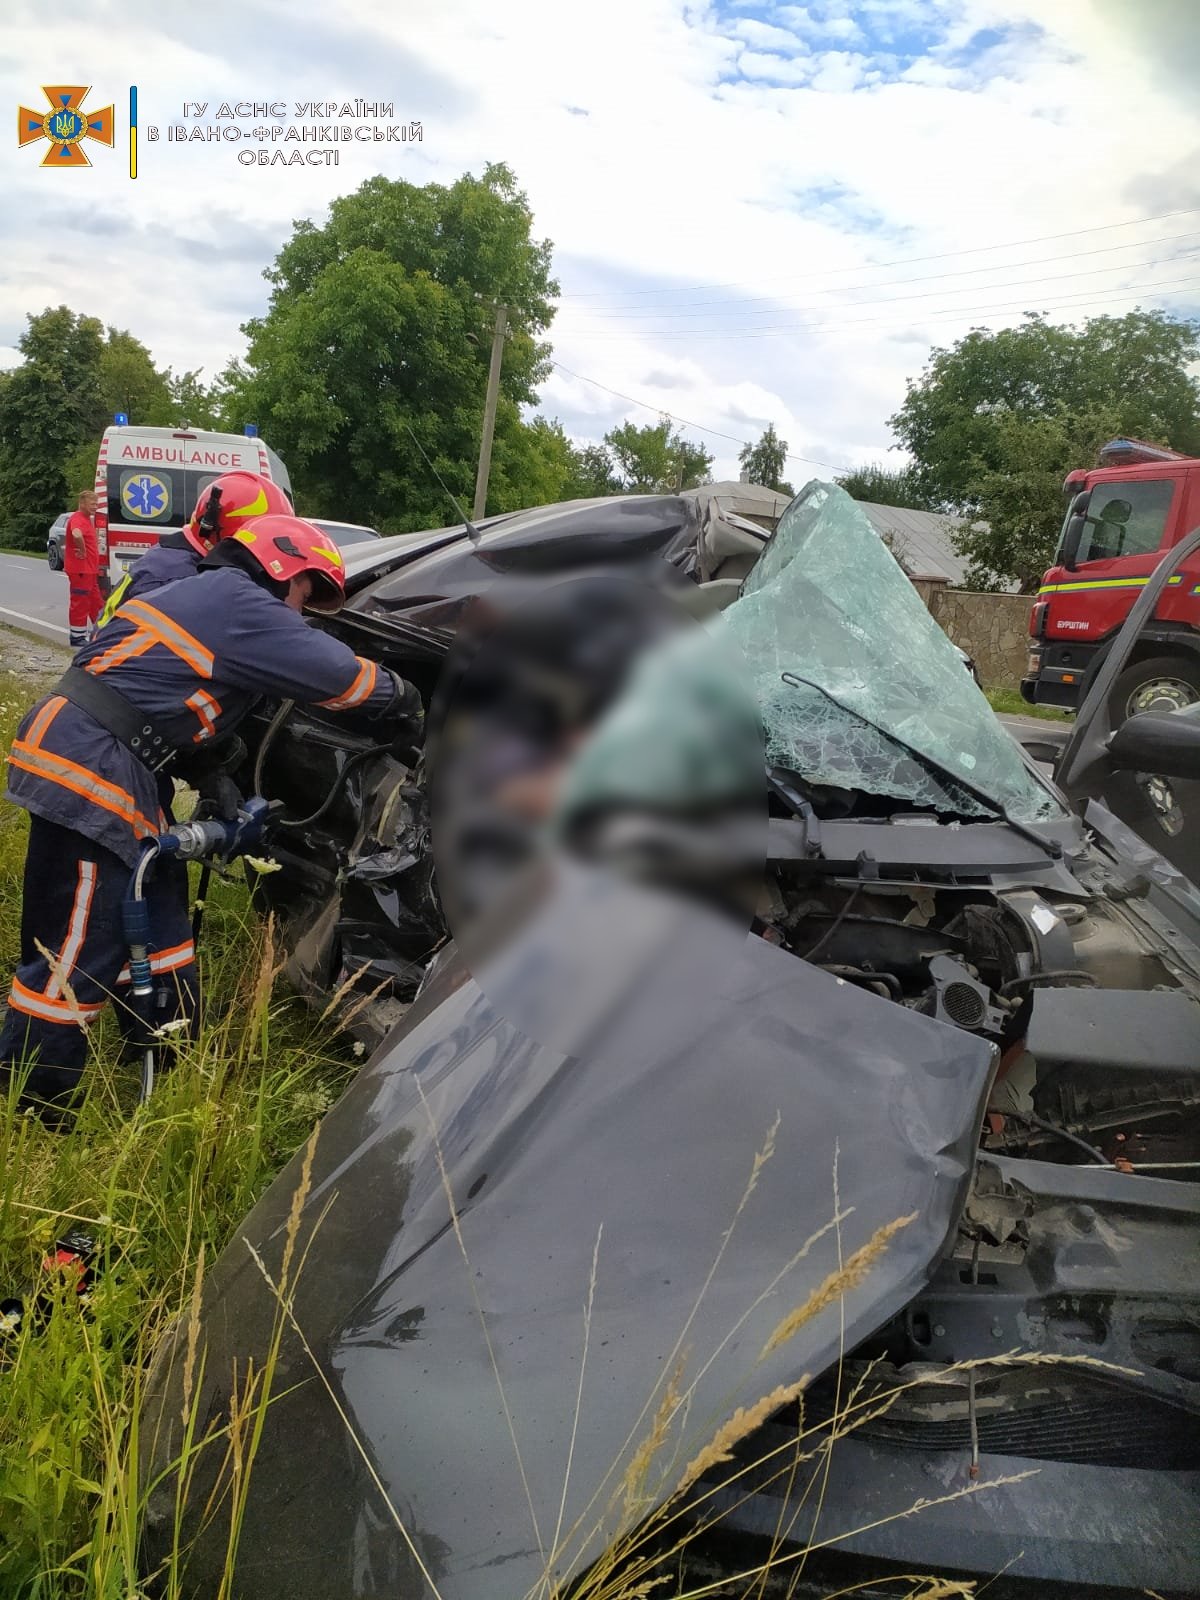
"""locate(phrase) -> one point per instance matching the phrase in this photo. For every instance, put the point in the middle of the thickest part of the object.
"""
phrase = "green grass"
(162, 1188)
(1009, 702)
(32, 555)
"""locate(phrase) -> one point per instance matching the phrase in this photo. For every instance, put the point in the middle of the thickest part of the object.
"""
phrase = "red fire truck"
(1122, 517)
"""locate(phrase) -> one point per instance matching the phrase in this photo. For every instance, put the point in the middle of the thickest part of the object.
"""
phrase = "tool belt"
(118, 716)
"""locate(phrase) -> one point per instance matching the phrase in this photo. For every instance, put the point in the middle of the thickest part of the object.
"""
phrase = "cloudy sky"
(761, 212)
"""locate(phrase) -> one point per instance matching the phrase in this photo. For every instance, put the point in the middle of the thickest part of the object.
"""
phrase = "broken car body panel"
(908, 934)
(640, 1150)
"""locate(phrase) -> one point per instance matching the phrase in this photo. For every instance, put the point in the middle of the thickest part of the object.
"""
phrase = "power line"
(907, 261)
(1086, 297)
(699, 426)
(694, 308)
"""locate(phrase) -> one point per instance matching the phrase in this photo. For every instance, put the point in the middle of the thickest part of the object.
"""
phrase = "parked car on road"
(56, 541)
(965, 1011)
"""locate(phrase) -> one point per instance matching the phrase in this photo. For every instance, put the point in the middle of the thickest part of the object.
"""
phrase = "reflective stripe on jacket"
(169, 560)
(193, 660)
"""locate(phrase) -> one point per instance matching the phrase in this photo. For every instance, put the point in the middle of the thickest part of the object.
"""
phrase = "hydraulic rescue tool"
(213, 839)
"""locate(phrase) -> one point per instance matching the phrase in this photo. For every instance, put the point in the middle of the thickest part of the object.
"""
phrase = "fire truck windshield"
(1124, 518)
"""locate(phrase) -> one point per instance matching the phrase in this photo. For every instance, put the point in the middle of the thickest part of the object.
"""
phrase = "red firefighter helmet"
(228, 503)
(287, 546)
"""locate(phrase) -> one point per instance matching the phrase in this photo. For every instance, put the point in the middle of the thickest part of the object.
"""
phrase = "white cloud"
(766, 35)
(784, 154)
(755, 64)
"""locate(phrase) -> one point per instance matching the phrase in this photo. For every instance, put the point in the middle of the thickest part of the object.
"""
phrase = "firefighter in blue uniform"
(91, 763)
(227, 504)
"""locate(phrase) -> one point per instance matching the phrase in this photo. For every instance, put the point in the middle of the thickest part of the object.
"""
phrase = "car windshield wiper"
(1050, 846)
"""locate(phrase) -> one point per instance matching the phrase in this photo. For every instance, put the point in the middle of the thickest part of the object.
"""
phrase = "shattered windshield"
(828, 602)
(889, 707)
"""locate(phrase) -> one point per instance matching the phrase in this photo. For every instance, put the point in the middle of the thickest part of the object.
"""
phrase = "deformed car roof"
(565, 534)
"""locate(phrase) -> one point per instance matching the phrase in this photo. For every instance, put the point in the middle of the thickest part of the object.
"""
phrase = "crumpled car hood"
(630, 1143)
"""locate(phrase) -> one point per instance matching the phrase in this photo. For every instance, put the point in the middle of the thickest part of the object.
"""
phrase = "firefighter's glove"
(226, 753)
(219, 795)
(404, 715)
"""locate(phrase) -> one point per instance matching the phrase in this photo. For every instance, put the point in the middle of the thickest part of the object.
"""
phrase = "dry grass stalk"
(931, 1588)
(837, 1284)
(339, 994)
(792, 1558)
(297, 1206)
(743, 1421)
(363, 1001)
(1023, 1358)
(262, 984)
(760, 1160)
(764, 1294)
(285, 1307)
(456, 1225)
(193, 1339)
(633, 1484)
(587, 1333)
(60, 972)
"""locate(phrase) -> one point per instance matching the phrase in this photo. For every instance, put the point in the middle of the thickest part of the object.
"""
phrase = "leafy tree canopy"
(592, 473)
(765, 461)
(653, 458)
(53, 408)
(995, 422)
(887, 486)
(380, 322)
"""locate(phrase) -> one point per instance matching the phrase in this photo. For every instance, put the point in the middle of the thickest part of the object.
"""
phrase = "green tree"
(130, 382)
(652, 458)
(1020, 505)
(53, 408)
(995, 422)
(592, 473)
(192, 402)
(533, 464)
(49, 407)
(887, 486)
(764, 462)
(379, 328)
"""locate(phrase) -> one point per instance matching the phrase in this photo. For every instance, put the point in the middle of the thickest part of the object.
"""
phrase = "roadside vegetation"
(161, 1189)
(1008, 702)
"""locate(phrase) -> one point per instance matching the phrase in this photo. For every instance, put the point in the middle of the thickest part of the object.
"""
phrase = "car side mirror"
(1076, 523)
(1166, 743)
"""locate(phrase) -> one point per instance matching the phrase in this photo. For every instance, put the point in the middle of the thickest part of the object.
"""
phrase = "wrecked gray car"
(841, 1225)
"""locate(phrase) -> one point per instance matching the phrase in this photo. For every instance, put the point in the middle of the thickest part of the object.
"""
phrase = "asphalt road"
(33, 598)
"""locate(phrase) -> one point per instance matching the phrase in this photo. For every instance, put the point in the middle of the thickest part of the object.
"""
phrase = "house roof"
(921, 541)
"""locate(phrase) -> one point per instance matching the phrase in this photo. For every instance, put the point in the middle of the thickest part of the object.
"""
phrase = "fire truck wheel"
(1161, 683)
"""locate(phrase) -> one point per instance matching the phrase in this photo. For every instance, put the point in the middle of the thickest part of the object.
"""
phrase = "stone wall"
(992, 628)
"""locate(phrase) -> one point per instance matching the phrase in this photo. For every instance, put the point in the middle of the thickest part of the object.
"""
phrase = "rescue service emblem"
(145, 496)
(66, 125)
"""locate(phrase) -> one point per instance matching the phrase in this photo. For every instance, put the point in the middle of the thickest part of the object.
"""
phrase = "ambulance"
(148, 481)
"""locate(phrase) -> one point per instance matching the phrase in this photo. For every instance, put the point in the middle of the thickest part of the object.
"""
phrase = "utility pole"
(489, 414)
